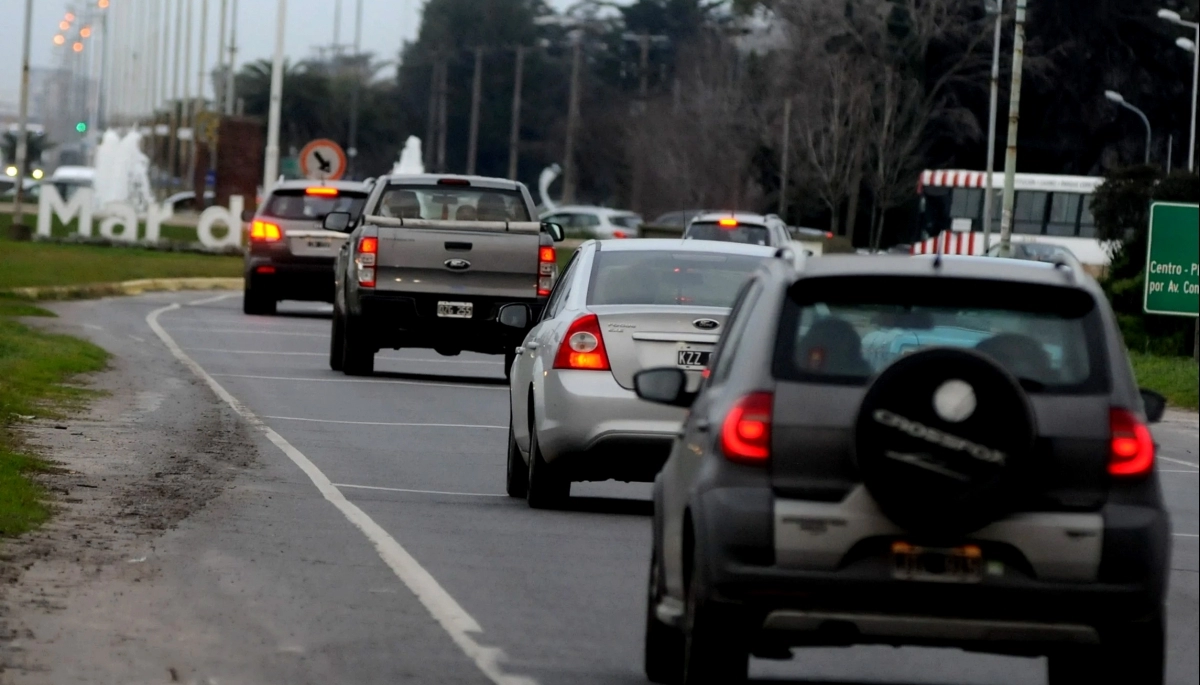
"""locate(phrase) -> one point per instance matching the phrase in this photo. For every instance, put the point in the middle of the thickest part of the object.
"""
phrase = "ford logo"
(706, 324)
(457, 264)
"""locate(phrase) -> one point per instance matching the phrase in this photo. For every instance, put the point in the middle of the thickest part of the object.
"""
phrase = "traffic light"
(81, 127)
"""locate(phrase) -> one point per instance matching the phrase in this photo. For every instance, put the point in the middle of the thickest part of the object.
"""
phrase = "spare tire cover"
(944, 438)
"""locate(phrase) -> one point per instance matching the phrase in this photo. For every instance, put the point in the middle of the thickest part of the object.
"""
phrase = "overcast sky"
(387, 24)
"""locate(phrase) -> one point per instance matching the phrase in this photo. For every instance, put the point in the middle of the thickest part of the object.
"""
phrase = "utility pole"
(200, 104)
(231, 83)
(1014, 118)
(431, 129)
(639, 162)
(476, 94)
(443, 89)
(271, 165)
(186, 149)
(352, 146)
(514, 132)
(785, 159)
(176, 105)
(218, 95)
(572, 124)
(644, 67)
(22, 160)
(989, 193)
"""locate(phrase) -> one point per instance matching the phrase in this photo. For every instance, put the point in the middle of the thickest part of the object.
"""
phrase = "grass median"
(35, 369)
(1176, 378)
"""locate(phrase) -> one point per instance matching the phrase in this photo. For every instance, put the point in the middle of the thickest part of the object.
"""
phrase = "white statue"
(410, 158)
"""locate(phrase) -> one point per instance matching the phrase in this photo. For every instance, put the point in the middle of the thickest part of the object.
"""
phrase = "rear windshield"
(626, 220)
(661, 277)
(845, 330)
(742, 233)
(298, 205)
(453, 203)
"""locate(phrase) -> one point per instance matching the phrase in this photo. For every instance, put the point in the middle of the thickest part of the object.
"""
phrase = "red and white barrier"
(951, 242)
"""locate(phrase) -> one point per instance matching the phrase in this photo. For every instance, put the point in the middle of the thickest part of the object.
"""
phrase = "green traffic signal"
(81, 127)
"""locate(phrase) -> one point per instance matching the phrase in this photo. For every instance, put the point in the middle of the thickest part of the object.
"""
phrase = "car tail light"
(620, 235)
(547, 270)
(321, 191)
(368, 249)
(1132, 451)
(583, 347)
(746, 432)
(265, 232)
(268, 270)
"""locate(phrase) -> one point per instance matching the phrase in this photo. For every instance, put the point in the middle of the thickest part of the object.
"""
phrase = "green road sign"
(1173, 260)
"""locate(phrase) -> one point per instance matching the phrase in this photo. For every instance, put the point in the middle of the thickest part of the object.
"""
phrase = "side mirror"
(336, 221)
(555, 230)
(665, 385)
(1154, 404)
(515, 316)
(247, 215)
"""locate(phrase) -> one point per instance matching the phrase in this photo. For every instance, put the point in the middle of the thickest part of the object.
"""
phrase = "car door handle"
(532, 345)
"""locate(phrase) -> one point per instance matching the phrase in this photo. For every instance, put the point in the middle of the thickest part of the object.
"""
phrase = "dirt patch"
(154, 449)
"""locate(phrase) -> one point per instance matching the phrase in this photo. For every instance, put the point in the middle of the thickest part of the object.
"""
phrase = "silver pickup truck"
(431, 262)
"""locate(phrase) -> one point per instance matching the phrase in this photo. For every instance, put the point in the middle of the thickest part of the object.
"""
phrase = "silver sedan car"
(620, 306)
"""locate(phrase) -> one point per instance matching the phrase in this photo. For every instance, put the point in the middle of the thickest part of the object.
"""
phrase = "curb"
(138, 287)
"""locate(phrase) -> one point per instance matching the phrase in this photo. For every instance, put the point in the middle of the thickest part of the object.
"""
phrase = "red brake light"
(728, 223)
(322, 191)
(1132, 445)
(620, 235)
(746, 432)
(829, 235)
(453, 182)
(547, 270)
(583, 346)
(265, 232)
(368, 248)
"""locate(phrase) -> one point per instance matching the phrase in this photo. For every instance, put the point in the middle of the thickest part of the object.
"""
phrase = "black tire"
(663, 655)
(337, 342)
(715, 647)
(547, 488)
(358, 350)
(944, 441)
(516, 481)
(1133, 653)
(256, 303)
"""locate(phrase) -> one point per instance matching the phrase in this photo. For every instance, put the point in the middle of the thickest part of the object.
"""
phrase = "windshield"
(847, 330)
(298, 205)
(700, 279)
(626, 220)
(453, 203)
(742, 233)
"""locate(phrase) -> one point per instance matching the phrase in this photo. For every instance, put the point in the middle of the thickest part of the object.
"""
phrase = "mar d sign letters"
(1173, 260)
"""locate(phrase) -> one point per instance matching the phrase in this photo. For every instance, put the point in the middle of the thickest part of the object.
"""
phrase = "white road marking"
(461, 626)
(1186, 535)
(382, 423)
(326, 354)
(1177, 471)
(210, 300)
(93, 327)
(242, 331)
(416, 492)
(1178, 461)
(360, 380)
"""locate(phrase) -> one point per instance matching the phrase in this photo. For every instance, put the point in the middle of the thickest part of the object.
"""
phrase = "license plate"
(323, 244)
(937, 564)
(693, 359)
(455, 310)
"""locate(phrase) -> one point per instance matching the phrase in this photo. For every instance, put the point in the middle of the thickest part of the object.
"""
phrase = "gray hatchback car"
(896, 450)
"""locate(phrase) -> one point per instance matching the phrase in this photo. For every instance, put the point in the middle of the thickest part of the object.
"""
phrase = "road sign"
(323, 160)
(1173, 260)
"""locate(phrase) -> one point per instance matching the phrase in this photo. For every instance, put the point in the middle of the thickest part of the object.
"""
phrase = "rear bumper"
(310, 279)
(599, 430)
(411, 320)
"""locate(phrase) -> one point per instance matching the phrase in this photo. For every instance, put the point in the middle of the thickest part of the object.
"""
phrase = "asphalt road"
(375, 540)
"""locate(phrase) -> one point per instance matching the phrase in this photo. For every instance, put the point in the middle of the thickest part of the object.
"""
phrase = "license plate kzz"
(693, 359)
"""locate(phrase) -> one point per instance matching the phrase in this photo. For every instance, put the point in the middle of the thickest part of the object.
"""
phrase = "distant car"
(8, 190)
(1038, 252)
(678, 219)
(69, 179)
(600, 223)
(618, 307)
(289, 255)
(739, 227)
(186, 201)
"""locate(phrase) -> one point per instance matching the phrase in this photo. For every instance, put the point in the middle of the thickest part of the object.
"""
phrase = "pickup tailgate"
(459, 259)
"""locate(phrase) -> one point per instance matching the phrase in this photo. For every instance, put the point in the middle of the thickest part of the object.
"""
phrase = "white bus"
(1048, 208)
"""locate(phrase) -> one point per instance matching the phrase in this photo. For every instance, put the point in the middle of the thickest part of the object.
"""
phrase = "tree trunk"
(879, 234)
(852, 209)
(834, 215)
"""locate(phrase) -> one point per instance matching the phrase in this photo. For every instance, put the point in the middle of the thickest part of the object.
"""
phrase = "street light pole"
(1014, 118)
(231, 82)
(23, 122)
(1192, 46)
(572, 123)
(989, 193)
(1117, 98)
(271, 166)
(355, 96)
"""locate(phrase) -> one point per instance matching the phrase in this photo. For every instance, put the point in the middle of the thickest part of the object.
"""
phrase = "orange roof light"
(728, 223)
(77, 47)
(85, 32)
(322, 191)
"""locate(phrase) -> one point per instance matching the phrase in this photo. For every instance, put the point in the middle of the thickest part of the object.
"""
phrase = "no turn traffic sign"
(323, 160)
